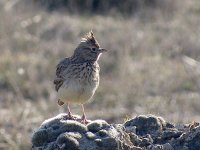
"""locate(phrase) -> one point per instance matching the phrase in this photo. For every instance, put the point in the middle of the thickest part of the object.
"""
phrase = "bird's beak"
(102, 50)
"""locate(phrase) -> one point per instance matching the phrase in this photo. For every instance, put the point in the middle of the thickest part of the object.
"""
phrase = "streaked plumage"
(77, 77)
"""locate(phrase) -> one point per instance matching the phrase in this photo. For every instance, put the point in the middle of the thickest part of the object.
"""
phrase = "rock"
(90, 135)
(146, 124)
(166, 146)
(61, 133)
(141, 132)
(189, 140)
(67, 141)
(39, 138)
(97, 125)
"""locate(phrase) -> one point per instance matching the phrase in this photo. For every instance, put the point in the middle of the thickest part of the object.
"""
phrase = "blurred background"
(152, 65)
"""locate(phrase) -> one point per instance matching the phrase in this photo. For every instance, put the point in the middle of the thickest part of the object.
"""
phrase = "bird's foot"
(84, 120)
(71, 117)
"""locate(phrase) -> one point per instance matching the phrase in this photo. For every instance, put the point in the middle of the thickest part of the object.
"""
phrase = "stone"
(97, 125)
(141, 132)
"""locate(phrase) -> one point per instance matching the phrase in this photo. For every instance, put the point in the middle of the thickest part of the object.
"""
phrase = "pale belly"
(74, 92)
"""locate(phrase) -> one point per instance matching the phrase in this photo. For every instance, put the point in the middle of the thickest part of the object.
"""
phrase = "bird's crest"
(90, 39)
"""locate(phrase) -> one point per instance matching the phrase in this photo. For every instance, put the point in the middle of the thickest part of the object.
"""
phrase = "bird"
(77, 77)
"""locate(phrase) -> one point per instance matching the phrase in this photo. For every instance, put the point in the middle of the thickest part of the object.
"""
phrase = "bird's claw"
(84, 120)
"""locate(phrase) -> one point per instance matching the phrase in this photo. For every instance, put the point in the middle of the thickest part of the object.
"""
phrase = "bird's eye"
(93, 49)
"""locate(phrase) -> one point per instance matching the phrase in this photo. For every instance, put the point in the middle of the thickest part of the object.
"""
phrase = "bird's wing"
(61, 67)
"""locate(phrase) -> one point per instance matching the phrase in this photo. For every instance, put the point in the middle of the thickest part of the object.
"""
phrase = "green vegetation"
(145, 70)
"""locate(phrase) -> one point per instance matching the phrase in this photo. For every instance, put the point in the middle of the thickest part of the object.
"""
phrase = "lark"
(77, 77)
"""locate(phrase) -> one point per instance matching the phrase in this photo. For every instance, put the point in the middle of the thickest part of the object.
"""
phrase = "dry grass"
(145, 71)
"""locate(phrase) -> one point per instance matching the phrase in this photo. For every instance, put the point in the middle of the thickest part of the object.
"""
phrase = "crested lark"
(77, 77)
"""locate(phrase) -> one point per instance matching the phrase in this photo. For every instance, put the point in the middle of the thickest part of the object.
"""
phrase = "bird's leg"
(69, 112)
(83, 118)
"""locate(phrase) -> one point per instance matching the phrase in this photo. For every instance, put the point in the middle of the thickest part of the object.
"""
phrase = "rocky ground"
(140, 133)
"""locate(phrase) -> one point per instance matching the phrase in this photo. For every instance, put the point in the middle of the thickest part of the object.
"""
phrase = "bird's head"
(89, 49)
